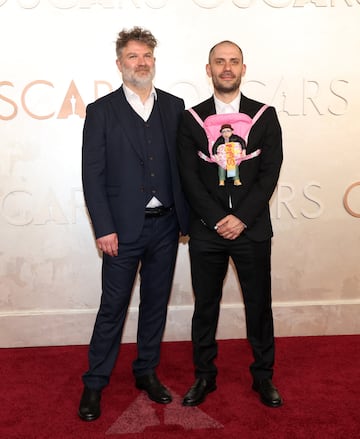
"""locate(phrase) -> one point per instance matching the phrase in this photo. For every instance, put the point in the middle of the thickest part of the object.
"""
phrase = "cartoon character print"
(229, 149)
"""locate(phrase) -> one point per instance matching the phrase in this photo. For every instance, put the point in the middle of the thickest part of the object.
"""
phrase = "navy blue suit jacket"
(113, 165)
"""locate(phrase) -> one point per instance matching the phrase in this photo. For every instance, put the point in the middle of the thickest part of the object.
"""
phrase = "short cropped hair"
(227, 42)
(135, 34)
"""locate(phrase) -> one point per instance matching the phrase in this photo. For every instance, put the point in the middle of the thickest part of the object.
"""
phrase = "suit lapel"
(207, 108)
(125, 115)
(164, 117)
(248, 106)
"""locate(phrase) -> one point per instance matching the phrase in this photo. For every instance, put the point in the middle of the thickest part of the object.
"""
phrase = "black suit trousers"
(209, 264)
(155, 251)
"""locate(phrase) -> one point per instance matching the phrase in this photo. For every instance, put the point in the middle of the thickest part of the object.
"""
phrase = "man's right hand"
(108, 244)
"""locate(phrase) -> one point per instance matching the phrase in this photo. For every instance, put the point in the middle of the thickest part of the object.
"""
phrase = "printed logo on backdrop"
(40, 93)
(295, 98)
(352, 194)
(307, 202)
(160, 4)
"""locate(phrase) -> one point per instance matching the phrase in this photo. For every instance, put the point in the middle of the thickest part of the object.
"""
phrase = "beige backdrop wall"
(57, 56)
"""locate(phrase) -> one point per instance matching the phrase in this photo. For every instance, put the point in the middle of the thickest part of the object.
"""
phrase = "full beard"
(139, 80)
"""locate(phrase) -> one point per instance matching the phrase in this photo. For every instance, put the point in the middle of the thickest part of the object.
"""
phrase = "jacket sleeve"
(94, 171)
(263, 186)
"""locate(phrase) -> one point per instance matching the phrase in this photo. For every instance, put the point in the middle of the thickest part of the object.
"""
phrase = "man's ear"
(208, 70)
(243, 70)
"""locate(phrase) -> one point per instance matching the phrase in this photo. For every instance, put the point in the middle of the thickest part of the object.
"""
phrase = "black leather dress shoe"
(269, 394)
(153, 387)
(89, 408)
(198, 391)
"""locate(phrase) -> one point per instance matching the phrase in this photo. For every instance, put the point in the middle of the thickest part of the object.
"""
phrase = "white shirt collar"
(231, 107)
(131, 94)
(142, 109)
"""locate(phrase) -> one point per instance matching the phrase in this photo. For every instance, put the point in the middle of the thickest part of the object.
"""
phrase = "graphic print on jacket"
(228, 149)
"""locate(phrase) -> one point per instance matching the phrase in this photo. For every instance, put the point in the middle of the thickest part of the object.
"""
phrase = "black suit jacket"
(209, 202)
(113, 164)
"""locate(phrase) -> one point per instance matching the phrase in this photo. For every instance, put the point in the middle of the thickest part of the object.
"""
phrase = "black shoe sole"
(199, 401)
(89, 418)
(159, 401)
(270, 404)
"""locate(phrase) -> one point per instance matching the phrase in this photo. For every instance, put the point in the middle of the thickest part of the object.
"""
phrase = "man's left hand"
(230, 227)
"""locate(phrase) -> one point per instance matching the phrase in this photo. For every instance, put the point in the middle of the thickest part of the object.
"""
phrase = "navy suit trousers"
(155, 252)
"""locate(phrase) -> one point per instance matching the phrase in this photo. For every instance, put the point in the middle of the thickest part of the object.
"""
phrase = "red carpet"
(318, 377)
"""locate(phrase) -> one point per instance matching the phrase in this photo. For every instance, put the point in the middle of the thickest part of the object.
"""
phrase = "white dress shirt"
(142, 109)
(232, 107)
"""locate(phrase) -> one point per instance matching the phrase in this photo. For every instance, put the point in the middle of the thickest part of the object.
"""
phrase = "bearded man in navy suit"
(230, 221)
(137, 208)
